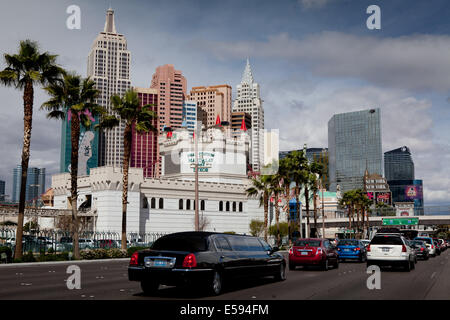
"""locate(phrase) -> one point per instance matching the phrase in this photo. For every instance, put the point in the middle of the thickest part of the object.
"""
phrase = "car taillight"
(134, 259)
(319, 251)
(291, 251)
(421, 249)
(403, 248)
(432, 247)
(190, 261)
(356, 249)
(368, 248)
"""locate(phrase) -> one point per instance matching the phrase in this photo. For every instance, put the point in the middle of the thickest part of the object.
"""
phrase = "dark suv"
(204, 258)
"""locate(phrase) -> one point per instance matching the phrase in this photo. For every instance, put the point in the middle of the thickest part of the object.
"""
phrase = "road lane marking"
(432, 276)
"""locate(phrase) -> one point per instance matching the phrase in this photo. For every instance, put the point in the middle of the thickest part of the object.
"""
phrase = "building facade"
(377, 188)
(354, 146)
(236, 122)
(109, 66)
(408, 191)
(171, 86)
(144, 147)
(248, 99)
(190, 114)
(215, 101)
(398, 164)
(35, 184)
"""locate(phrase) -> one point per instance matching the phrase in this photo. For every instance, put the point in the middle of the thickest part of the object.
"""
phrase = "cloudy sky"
(312, 58)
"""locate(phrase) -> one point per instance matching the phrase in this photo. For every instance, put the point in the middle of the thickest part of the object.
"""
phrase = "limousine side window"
(222, 244)
(238, 243)
(265, 245)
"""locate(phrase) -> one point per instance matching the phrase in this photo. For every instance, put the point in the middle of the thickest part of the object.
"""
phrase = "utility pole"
(323, 209)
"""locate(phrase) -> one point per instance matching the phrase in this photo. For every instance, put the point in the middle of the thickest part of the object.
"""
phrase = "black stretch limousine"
(205, 258)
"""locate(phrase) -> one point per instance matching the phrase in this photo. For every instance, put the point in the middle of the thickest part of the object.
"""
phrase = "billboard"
(413, 192)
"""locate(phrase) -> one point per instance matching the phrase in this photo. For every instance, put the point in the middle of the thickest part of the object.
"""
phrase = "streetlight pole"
(196, 136)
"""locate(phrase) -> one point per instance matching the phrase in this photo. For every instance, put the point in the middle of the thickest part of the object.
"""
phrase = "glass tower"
(354, 145)
(35, 183)
(398, 164)
(2, 190)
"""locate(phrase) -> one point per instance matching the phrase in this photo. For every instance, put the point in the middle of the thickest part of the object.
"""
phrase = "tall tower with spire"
(109, 66)
(249, 100)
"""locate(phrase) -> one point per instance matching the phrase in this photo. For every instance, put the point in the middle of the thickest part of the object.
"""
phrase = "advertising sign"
(413, 192)
(205, 160)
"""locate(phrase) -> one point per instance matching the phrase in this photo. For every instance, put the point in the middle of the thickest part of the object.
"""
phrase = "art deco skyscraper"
(109, 67)
(249, 100)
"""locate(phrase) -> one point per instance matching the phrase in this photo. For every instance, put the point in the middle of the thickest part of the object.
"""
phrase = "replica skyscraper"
(109, 67)
(248, 99)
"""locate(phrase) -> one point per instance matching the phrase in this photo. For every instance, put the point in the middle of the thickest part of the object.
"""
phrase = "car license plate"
(346, 249)
(385, 249)
(304, 253)
(159, 263)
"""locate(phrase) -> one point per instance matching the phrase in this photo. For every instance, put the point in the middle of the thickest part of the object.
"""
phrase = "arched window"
(188, 204)
(153, 203)
(202, 205)
(161, 203)
(234, 206)
(193, 201)
(220, 205)
(227, 206)
(240, 207)
(180, 204)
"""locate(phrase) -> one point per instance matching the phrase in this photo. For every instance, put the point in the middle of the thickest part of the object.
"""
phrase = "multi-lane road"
(108, 280)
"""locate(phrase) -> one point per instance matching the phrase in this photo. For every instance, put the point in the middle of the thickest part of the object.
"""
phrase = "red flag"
(243, 126)
(218, 120)
(169, 134)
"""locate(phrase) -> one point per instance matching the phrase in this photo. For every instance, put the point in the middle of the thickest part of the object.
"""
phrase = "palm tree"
(284, 172)
(75, 99)
(296, 164)
(348, 200)
(261, 188)
(136, 118)
(25, 69)
(313, 171)
(275, 190)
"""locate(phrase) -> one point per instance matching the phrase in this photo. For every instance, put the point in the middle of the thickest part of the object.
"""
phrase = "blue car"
(351, 249)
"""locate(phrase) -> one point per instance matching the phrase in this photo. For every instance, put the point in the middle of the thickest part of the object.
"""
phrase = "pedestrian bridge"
(378, 221)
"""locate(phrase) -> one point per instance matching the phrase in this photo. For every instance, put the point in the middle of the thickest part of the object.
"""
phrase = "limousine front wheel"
(281, 275)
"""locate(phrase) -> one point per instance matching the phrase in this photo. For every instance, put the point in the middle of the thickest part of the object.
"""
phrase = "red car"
(313, 251)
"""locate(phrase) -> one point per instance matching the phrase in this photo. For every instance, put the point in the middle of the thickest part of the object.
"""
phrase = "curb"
(31, 264)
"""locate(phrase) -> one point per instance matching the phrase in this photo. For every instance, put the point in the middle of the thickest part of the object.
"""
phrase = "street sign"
(410, 221)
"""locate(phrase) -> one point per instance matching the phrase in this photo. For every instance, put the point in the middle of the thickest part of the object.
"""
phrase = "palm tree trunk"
(297, 208)
(307, 210)
(75, 138)
(277, 219)
(363, 221)
(28, 95)
(350, 213)
(288, 210)
(126, 163)
(315, 212)
(266, 214)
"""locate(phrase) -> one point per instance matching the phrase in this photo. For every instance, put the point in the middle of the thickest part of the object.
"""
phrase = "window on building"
(180, 204)
(145, 203)
(202, 205)
(188, 204)
(240, 207)
(227, 206)
(161, 203)
(234, 206)
(153, 203)
(220, 205)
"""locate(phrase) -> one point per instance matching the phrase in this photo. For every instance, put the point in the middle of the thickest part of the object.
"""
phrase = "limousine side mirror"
(275, 249)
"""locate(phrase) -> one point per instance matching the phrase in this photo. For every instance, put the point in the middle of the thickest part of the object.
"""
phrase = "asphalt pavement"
(105, 280)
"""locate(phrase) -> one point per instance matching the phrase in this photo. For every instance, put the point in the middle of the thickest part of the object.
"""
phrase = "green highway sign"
(407, 221)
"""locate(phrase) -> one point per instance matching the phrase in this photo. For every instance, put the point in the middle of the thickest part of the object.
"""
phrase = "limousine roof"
(202, 233)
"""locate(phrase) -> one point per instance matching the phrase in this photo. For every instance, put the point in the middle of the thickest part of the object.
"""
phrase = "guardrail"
(53, 241)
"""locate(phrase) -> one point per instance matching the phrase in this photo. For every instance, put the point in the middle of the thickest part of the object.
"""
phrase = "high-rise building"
(190, 114)
(109, 67)
(398, 164)
(215, 101)
(2, 190)
(144, 148)
(236, 122)
(248, 99)
(35, 183)
(354, 146)
(171, 85)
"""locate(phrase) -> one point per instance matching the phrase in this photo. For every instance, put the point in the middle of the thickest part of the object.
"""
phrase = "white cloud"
(405, 120)
(416, 62)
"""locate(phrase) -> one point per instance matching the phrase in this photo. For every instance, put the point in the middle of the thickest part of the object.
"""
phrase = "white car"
(431, 245)
(390, 249)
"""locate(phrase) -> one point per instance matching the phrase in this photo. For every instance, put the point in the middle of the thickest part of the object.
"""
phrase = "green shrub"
(115, 253)
(132, 250)
(8, 252)
(28, 257)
